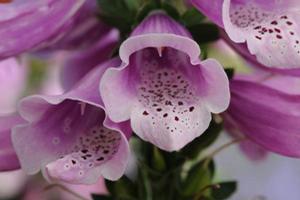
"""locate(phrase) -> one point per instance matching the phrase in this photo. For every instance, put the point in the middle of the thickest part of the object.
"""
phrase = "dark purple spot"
(100, 159)
(106, 151)
(289, 23)
(274, 23)
(168, 103)
(277, 30)
(180, 103)
(145, 113)
(158, 109)
(191, 109)
(176, 118)
(279, 36)
(165, 115)
(257, 27)
(257, 37)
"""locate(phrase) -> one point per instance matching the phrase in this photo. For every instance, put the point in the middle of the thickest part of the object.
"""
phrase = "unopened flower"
(266, 109)
(162, 86)
(69, 137)
(269, 28)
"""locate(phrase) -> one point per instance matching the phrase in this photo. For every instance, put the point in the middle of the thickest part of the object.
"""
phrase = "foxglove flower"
(162, 86)
(32, 25)
(69, 137)
(270, 28)
(266, 109)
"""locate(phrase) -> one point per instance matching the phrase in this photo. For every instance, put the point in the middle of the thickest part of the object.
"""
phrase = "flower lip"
(50, 119)
(159, 40)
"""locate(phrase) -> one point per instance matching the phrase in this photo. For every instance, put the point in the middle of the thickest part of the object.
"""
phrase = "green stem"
(221, 148)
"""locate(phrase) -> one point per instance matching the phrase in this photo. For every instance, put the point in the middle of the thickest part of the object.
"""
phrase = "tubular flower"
(69, 136)
(33, 25)
(270, 28)
(162, 86)
(266, 109)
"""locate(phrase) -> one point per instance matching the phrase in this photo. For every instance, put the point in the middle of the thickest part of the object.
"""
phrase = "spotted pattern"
(276, 31)
(92, 149)
(168, 97)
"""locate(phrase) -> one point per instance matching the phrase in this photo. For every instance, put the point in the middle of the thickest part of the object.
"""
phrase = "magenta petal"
(8, 158)
(212, 9)
(13, 77)
(268, 116)
(75, 143)
(253, 151)
(81, 62)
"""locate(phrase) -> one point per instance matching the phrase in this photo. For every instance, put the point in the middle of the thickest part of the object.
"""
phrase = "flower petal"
(8, 157)
(270, 30)
(212, 9)
(39, 20)
(273, 125)
(81, 62)
(12, 84)
(217, 94)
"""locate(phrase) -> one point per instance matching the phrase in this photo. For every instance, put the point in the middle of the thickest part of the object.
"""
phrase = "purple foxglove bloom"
(270, 28)
(69, 137)
(266, 109)
(31, 25)
(8, 158)
(162, 86)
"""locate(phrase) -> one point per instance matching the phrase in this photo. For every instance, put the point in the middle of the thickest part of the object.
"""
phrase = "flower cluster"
(157, 86)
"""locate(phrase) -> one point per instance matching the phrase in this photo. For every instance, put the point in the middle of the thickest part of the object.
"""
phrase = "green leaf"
(198, 177)
(146, 9)
(123, 188)
(192, 17)
(204, 33)
(144, 185)
(101, 197)
(119, 13)
(172, 11)
(193, 149)
(38, 71)
(225, 191)
(158, 161)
